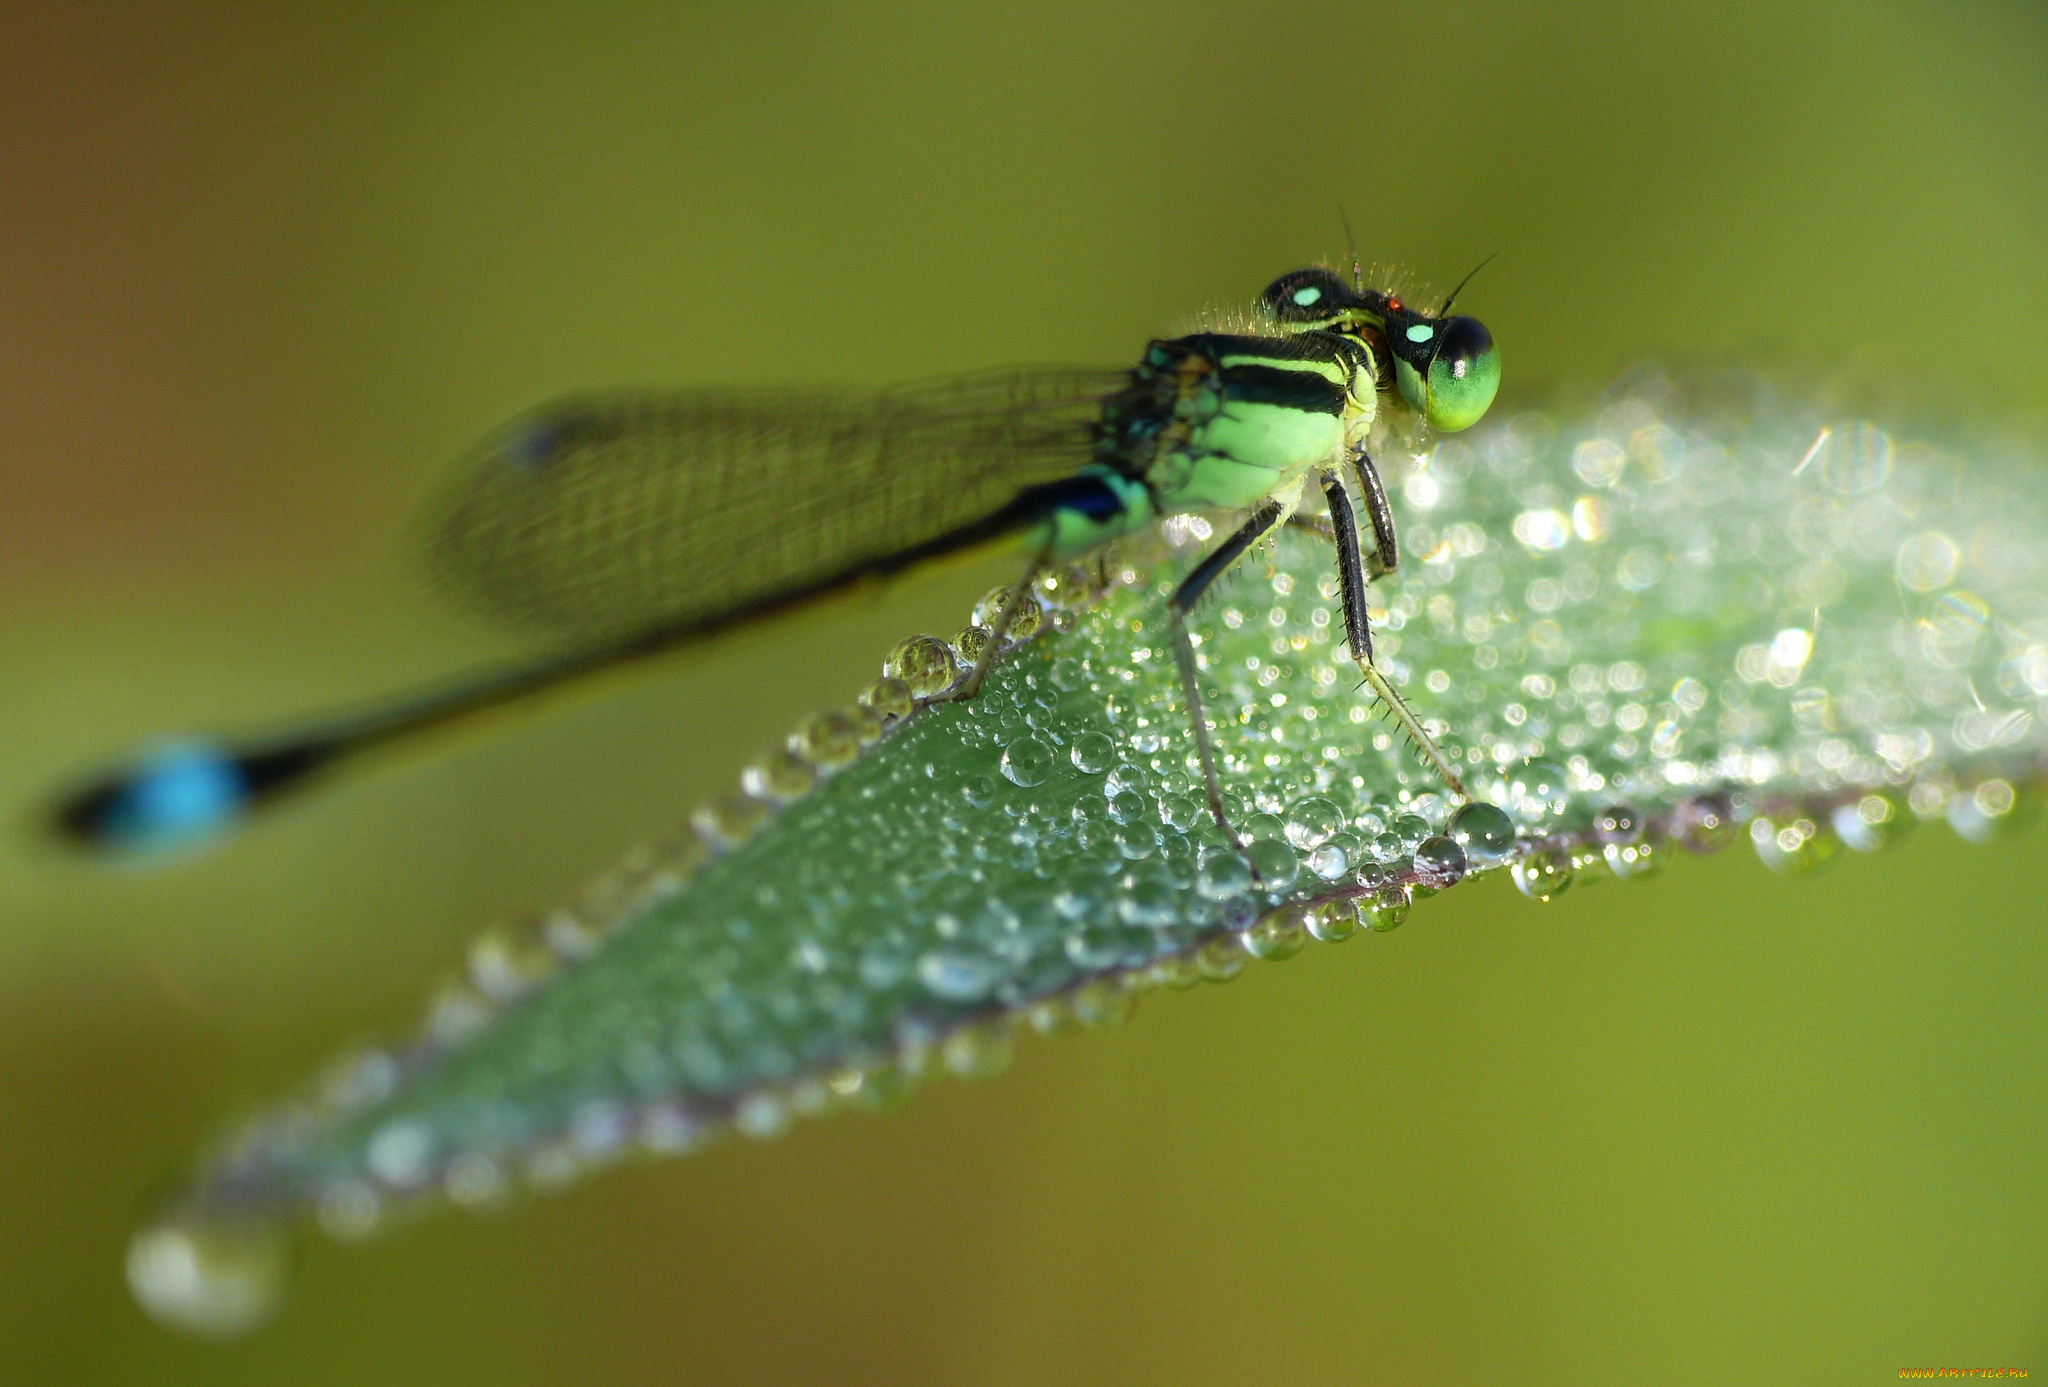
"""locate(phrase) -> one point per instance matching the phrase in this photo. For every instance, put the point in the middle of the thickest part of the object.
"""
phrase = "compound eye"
(1463, 375)
(1308, 296)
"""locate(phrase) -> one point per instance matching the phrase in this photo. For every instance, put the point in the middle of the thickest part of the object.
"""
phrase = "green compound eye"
(1464, 373)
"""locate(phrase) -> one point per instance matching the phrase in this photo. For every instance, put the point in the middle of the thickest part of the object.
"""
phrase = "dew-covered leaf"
(1666, 618)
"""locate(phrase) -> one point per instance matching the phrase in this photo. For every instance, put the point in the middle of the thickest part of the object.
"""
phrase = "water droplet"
(669, 1129)
(1095, 947)
(1856, 458)
(1309, 821)
(1128, 807)
(1220, 959)
(1277, 935)
(969, 644)
(1150, 900)
(1408, 830)
(1703, 823)
(1260, 828)
(1067, 673)
(1224, 875)
(1332, 860)
(1537, 793)
(1333, 922)
(401, 1153)
(600, 1129)
(507, 963)
(1275, 863)
(1793, 843)
(1544, 875)
(1543, 531)
(1051, 1016)
(724, 824)
(888, 698)
(1439, 862)
(1485, 832)
(1589, 867)
(476, 1180)
(1386, 909)
(1074, 900)
(1126, 776)
(958, 977)
(1024, 622)
(762, 1116)
(1092, 753)
(1027, 761)
(980, 791)
(1102, 1003)
(1135, 841)
(925, 664)
(216, 1278)
(1928, 561)
(978, 1051)
(867, 724)
(779, 777)
(884, 1087)
(1182, 812)
(349, 1210)
(1177, 971)
(1981, 814)
(1874, 821)
(830, 739)
(1643, 858)
(1618, 823)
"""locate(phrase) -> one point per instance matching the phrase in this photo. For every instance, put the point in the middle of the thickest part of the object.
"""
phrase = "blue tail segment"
(182, 795)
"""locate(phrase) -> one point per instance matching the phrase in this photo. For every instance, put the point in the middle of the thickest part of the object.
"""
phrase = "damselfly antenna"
(1452, 297)
(1357, 270)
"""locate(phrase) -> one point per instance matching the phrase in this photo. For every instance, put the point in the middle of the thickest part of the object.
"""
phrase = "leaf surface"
(1669, 617)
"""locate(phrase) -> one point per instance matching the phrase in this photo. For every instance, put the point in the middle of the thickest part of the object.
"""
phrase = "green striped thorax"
(1223, 421)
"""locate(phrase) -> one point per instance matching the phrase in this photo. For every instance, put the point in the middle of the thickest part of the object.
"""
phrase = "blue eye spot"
(1421, 332)
(1307, 296)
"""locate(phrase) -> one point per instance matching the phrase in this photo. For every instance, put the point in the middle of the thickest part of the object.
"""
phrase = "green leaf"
(1666, 619)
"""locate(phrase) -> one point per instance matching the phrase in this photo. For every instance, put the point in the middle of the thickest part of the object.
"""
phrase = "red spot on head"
(1393, 303)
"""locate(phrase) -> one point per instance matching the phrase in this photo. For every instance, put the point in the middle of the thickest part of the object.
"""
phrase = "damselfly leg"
(1177, 608)
(1351, 581)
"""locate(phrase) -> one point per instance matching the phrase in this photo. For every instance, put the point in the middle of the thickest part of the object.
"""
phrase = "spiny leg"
(1177, 608)
(1385, 555)
(1386, 549)
(1007, 617)
(1358, 630)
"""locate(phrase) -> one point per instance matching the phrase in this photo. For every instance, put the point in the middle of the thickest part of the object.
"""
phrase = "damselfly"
(645, 522)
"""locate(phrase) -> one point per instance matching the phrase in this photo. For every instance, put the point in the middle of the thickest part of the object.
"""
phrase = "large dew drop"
(216, 1279)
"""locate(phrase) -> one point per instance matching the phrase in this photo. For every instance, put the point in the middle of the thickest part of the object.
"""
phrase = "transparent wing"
(601, 515)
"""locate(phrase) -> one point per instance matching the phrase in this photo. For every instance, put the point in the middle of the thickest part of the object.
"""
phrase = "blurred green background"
(265, 270)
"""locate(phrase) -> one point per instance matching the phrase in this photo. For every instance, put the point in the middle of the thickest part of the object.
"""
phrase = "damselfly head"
(1446, 363)
(1447, 368)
